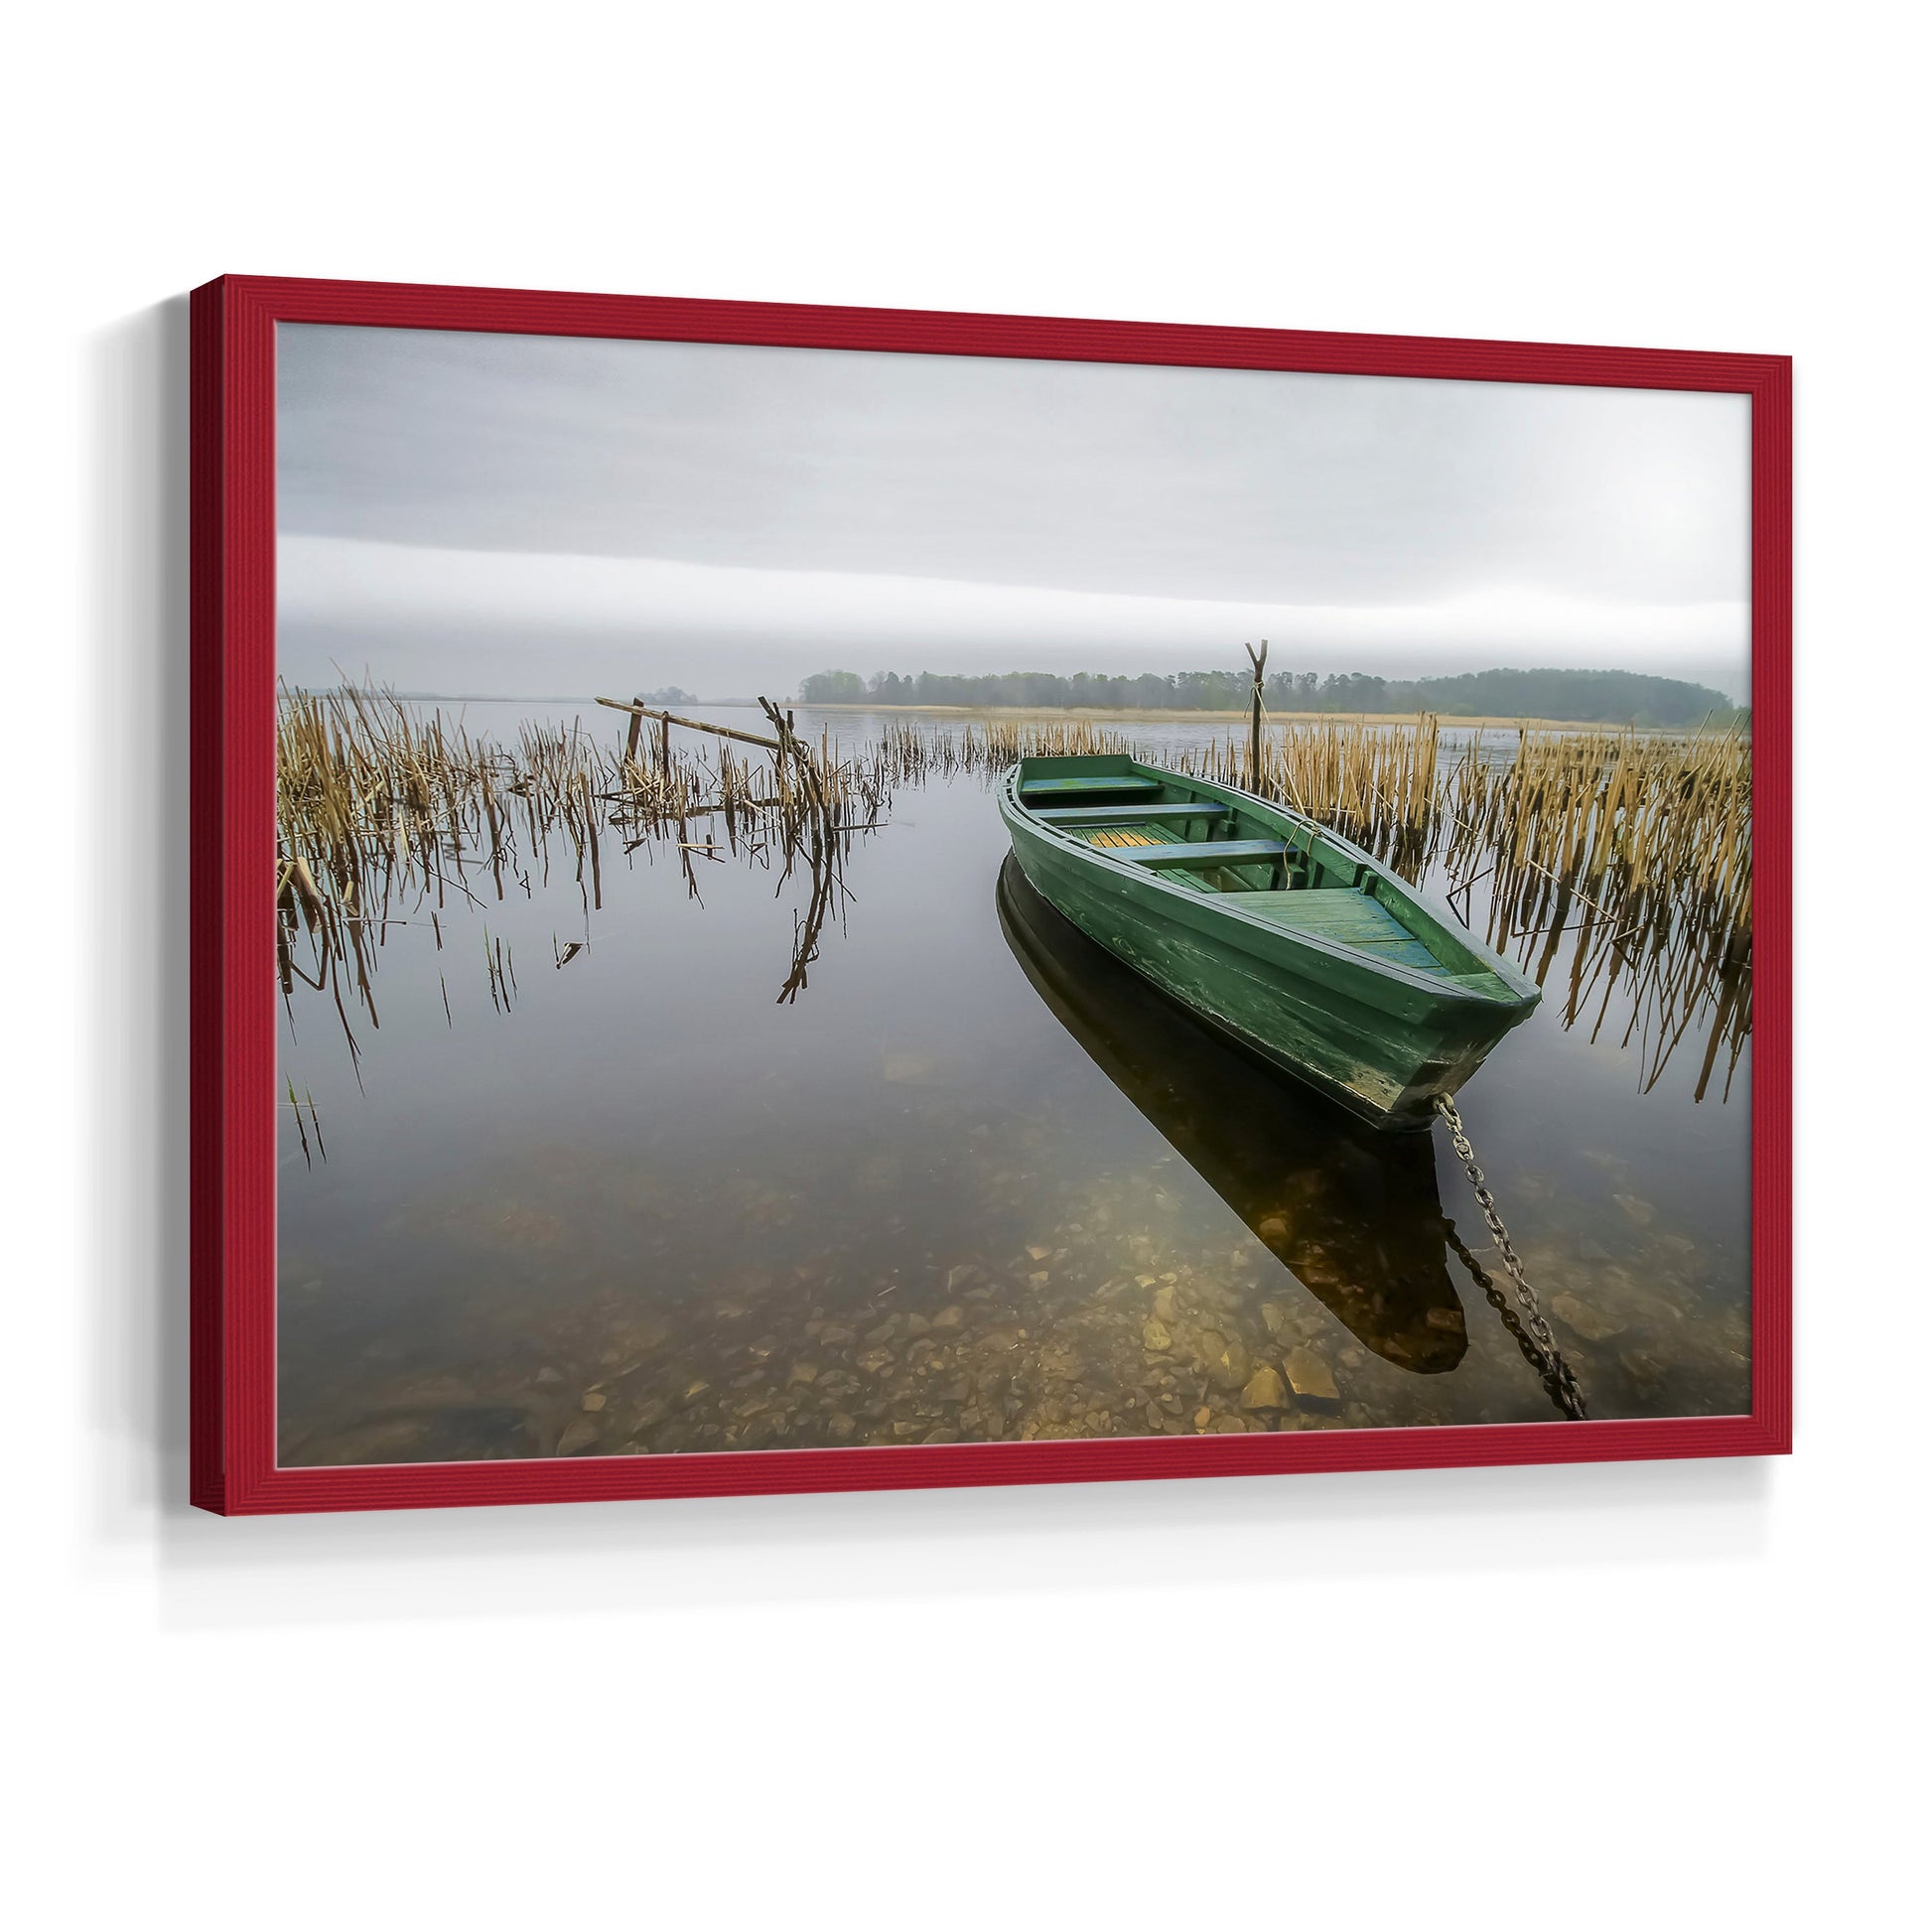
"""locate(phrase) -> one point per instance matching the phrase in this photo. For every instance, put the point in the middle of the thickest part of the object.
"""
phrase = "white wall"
(1676, 1694)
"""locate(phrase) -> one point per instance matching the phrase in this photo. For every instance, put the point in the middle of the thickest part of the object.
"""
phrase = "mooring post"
(1254, 716)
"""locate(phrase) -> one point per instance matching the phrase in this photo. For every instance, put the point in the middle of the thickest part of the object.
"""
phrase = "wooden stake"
(1254, 719)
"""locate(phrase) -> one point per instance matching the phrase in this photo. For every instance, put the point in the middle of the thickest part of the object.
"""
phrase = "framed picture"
(797, 898)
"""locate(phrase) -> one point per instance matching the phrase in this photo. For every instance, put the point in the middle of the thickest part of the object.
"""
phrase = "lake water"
(975, 1182)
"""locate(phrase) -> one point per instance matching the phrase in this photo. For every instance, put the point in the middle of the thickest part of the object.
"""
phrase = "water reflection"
(1353, 1215)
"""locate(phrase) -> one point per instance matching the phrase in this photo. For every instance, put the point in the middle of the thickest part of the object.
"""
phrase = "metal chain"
(1557, 1382)
(1570, 1396)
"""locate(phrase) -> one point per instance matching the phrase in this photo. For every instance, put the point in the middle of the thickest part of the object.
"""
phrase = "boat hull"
(1379, 1045)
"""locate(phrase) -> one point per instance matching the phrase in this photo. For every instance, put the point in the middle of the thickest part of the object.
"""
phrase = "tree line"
(1573, 697)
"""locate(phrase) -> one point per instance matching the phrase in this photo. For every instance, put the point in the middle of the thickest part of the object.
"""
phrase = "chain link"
(1570, 1396)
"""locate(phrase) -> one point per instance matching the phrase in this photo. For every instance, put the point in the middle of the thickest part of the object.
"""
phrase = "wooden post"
(1254, 716)
(636, 732)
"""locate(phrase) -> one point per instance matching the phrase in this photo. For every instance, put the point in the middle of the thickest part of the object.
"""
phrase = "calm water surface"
(976, 1182)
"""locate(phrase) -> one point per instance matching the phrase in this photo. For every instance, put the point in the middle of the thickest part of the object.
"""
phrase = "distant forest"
(1575, 697)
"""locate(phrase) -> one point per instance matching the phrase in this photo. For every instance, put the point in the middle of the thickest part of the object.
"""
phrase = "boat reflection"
(1353, 1215)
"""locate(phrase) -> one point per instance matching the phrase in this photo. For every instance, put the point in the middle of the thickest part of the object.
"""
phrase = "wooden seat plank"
(1124, 814)
(1099, 783)
(1213, 852)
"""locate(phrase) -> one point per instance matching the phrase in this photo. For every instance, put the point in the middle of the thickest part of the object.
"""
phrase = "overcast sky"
(534, 514)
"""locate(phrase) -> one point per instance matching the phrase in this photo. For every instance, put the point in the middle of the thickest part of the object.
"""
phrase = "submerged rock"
(1309, 1376)
(1155, 1335)
(1224, 1357)
(1591, 1323)
(1264, 1390)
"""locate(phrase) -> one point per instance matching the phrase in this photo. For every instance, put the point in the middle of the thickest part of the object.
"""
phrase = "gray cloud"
(1376, 522)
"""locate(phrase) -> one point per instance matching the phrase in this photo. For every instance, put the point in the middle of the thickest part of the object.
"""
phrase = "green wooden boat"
(1298, 945)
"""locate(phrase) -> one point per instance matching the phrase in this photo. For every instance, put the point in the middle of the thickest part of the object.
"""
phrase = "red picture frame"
(233, 1467)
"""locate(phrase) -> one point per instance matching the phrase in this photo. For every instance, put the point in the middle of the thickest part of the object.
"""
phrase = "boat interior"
(1291, 875)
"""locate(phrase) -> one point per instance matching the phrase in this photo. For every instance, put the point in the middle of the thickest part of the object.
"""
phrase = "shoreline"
(1035, 714)
(1095, 714)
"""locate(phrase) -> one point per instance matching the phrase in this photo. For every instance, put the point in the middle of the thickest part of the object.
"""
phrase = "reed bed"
(387, 816)
(1637, 848)
(909, 753)
(1613, 863)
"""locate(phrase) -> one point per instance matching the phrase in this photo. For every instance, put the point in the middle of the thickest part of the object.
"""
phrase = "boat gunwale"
(1519, 995)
